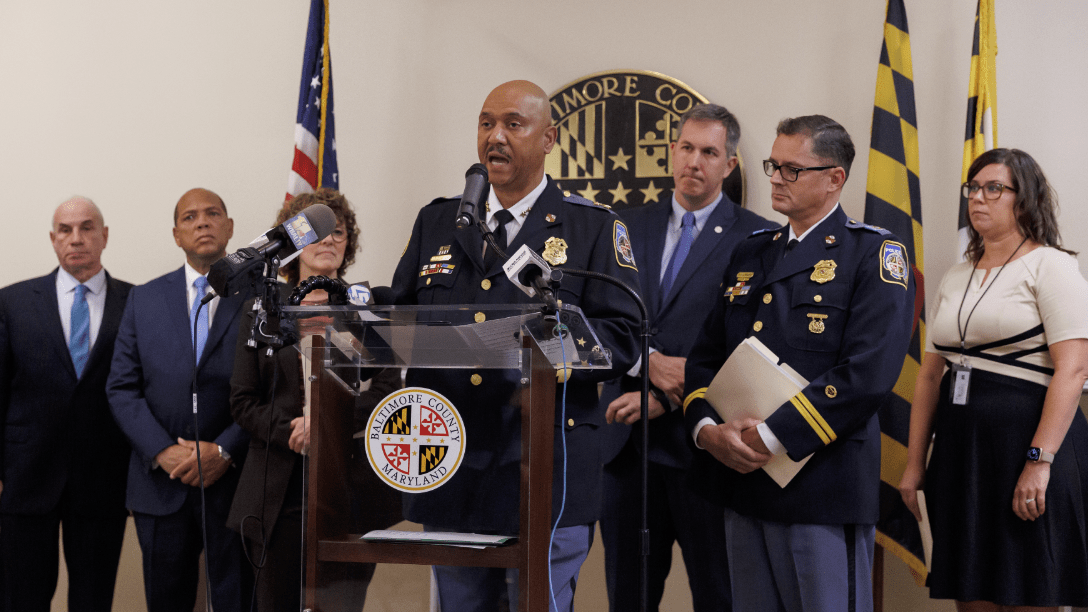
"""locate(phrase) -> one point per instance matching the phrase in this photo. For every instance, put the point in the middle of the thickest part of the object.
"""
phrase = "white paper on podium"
(752, 384)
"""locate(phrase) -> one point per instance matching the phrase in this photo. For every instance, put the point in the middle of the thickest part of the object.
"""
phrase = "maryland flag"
(400, 424)
(314, 163)
(981, 101)
(893, 201)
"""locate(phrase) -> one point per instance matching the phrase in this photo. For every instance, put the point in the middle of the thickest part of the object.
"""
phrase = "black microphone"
(239, 269)
(476, 190)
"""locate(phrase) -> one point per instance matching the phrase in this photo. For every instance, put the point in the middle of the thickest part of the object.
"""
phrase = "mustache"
(498, 150)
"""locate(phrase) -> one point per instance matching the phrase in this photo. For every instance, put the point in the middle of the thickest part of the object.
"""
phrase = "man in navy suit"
(150, 394)
(833, 299)
(682, 247)
(62, 458)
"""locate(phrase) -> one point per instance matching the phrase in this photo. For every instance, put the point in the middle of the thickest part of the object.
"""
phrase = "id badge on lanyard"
(961, 382)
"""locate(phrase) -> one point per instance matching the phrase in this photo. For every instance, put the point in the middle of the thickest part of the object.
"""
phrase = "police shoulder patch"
(894, 265)
(625, 256)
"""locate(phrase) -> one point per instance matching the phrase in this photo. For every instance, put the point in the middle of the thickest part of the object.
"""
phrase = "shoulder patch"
(855, 224)
(625, 256)
(894, 265)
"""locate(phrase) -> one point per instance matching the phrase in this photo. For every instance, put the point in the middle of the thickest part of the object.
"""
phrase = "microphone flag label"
(415, 440)
(299, 231)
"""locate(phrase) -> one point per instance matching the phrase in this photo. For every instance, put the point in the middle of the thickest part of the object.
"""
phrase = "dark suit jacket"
(267, 419)
(56, 429)
(675, 319)
(847, 335)
(483, 494)
(150, 393)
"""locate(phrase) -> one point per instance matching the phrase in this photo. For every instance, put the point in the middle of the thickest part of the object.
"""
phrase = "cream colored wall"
(133, 102)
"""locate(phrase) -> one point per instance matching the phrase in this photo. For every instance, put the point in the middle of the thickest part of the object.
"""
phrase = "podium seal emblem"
(415, 440)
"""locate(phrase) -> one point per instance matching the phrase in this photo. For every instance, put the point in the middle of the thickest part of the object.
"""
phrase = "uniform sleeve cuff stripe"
(694, 395)
(816, 415)
(808, 417)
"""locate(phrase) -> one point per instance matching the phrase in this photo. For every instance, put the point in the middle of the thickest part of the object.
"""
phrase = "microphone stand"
(644, 409)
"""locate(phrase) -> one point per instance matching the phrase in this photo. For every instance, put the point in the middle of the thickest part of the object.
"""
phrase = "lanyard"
(963, 328)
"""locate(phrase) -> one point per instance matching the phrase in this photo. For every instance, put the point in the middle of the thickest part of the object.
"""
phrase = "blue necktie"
(687, 236)
(79, 338)
(201, 284)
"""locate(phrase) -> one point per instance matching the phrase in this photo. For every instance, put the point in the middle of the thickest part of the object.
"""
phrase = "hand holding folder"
(752, 384)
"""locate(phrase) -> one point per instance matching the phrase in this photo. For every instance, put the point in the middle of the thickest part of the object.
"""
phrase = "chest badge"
(816, 323)
(824, 271)
(555, 251)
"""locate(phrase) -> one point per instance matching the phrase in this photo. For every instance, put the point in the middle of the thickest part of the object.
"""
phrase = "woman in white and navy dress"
(998, 394)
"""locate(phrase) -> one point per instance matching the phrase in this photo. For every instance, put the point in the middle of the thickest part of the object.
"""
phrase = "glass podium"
(447, 426)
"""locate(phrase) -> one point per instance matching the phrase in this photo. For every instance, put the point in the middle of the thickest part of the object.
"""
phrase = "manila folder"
(752, 384)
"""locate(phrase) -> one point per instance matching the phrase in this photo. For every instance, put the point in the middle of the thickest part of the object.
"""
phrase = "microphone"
(362, 294)
(476, 190)
(237, 270)
(530, 273)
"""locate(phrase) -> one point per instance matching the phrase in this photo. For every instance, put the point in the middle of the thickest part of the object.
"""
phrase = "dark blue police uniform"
(483, 494)
(838, 309)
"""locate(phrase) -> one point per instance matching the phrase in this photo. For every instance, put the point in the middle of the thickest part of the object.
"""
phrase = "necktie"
(79, 339)
(791, 245)
(503, 216)
(201, 338)
(687, 236)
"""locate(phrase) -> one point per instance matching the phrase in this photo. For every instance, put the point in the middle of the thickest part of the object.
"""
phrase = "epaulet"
(855, 224)
(572, 198)
(764, 231)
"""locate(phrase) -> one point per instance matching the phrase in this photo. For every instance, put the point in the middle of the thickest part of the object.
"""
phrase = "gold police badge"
(615, 130)
(824, 271)
(555, 251)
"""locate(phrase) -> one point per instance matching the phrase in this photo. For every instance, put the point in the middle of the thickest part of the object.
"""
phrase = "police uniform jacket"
(483, 494)
(847, 335)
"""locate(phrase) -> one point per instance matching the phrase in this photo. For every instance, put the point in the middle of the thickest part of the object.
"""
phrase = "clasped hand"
(179, 460)
(737, 444)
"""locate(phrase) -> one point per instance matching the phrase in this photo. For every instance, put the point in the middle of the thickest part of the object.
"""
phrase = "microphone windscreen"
(322, 219)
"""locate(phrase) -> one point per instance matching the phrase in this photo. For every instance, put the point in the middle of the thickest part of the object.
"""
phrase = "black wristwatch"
(1037, 454)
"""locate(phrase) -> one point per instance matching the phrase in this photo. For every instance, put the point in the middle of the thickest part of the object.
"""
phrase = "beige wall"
(133, 102)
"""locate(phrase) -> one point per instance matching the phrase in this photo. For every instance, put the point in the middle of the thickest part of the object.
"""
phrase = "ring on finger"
(1028, 501)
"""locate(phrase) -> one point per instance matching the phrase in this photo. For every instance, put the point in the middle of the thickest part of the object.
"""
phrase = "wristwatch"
(225, 456)
(1037, 454)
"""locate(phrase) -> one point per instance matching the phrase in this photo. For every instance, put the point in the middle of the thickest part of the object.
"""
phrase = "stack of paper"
(752, 384)
(445, 538)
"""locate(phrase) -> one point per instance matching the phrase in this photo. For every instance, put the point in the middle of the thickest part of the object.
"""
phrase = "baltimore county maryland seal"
(415, 440)
(615, 130)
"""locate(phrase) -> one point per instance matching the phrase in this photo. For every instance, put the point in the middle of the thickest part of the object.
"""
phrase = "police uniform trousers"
(768, 576)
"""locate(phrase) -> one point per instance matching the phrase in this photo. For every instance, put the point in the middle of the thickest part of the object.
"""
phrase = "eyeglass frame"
(965, 190)
(796, 171)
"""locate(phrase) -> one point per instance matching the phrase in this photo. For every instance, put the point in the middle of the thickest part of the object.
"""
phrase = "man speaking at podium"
(525, 207)
(832, 298)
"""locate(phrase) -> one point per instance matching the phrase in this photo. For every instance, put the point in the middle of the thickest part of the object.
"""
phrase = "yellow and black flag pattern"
(893, 201)
(981, 101)
(400, 424)
(430, 456)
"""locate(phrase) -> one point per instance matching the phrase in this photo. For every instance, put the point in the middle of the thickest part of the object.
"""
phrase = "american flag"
(315, 135)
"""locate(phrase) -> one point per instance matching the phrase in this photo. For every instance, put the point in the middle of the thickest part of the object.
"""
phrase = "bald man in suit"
(62, 458)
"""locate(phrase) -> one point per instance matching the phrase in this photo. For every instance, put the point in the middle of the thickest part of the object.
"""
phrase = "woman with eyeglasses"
(267, 398)
(997, 393)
